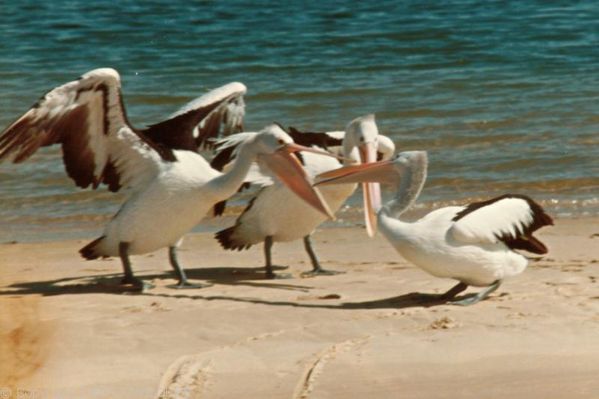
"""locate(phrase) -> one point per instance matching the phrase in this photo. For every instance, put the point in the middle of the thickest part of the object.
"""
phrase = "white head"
(361, 138)
(385, 148)
(270, 139)
(411, 160)
(360, 143)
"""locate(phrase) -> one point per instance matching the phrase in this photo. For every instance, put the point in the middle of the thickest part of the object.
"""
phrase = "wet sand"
(67, 331)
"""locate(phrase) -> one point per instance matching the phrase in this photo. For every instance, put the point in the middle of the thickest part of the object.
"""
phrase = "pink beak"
(289, 170)
(382, 171)
(370, 191)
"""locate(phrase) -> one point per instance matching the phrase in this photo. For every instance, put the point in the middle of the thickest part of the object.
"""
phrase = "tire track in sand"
(308, 381)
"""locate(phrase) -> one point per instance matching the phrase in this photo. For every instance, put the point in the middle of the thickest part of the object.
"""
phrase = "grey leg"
(129, 278)
(316, 268)
(268, 257)
(478, 297)
(270, 274)
(180, 273)
(452, 292)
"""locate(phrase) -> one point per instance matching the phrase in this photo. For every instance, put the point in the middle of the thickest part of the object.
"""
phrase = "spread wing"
(217, 113)
(87, 118)
(510, 219)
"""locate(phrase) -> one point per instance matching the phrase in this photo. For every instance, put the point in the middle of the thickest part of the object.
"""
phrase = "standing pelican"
(170, 190)
(274, 213)
(473, 244)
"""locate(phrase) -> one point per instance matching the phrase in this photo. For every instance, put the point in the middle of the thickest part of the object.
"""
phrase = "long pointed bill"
(377, 172)
(293, 147)
(290, 171)
(381, 171)
(370, 191)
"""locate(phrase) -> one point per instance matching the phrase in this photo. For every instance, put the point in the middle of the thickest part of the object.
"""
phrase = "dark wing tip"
(89, 251)
(208, 120)
(219, 208)
(225, 237)
(23, 137)
(226, 240)
(308, 139)
(540, 217)
(524, 239)
(222, 158)
(526, 243)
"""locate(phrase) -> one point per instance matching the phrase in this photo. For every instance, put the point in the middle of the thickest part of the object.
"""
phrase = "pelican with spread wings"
(170, 185)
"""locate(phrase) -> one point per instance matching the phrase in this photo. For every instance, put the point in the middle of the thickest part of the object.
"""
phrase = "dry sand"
(360, 334)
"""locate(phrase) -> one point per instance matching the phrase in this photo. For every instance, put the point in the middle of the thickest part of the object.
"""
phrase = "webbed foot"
(270, 275)
(320, 272)
(136, 284)
(471, 300)
(185, 284)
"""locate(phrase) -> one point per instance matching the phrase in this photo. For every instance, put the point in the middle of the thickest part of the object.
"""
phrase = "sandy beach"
(68, 332)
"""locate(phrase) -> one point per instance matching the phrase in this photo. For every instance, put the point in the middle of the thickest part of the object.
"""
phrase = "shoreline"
(345, 336)
(349, 216)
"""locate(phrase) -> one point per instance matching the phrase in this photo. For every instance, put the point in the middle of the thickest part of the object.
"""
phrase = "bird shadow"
(410, 300)
(109, 283)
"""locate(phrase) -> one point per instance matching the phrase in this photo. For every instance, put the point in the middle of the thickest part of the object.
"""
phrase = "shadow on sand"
(234, 276)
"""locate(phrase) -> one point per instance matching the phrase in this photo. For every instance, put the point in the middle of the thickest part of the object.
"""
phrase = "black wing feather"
(524, 239)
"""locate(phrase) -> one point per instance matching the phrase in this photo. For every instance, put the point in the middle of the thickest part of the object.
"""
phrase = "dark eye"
(281, 141)
(361, 139)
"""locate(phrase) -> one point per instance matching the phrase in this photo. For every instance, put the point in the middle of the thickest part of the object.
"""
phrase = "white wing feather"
(86, 116)
(229, 114)
(230, 89)
(258, 174)
(506, 217)
(233, 141)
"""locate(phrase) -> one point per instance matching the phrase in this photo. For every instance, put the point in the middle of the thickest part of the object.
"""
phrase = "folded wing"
(510, 219)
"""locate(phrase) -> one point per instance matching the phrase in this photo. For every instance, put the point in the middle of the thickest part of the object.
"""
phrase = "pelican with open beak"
(275, 214)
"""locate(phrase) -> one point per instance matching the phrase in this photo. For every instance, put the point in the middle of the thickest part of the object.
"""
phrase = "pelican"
(275, 215)
(473, 244)
(169, 190)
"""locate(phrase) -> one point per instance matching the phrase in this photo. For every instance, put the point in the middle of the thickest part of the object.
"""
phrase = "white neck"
(350, 152)
(227, 184)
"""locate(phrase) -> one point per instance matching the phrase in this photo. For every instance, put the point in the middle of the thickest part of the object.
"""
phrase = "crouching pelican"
(275, 214)
(473, 244)
(170, 190)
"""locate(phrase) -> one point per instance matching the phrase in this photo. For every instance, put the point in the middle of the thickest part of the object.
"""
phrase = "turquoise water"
(503, 95)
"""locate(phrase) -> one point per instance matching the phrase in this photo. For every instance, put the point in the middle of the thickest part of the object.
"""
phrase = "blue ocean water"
(503, 95)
